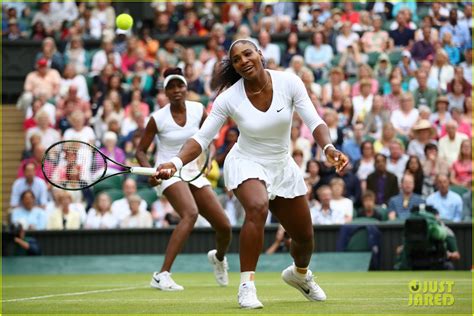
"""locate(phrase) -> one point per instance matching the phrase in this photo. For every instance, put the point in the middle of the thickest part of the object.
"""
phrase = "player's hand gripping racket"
(76, 165)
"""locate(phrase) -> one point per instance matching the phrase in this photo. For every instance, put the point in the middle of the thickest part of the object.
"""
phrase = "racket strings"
(73, 165)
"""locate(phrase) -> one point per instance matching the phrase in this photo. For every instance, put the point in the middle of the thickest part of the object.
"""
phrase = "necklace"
(264, 86)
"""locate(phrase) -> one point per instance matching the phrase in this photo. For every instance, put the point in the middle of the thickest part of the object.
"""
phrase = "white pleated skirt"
(282, 177)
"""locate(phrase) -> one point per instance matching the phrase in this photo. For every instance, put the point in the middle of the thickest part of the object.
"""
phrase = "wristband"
(177, 162)
(326, 147)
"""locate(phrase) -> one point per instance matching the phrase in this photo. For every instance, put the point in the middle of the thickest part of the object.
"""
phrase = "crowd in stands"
(392, 80)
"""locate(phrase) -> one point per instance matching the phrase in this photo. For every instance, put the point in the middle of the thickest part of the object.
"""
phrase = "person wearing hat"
(383, 67)
(174, 124)
(424, 134)
(407, 64)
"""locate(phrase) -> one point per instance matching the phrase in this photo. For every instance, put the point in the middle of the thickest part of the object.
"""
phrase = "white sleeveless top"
(171, 136)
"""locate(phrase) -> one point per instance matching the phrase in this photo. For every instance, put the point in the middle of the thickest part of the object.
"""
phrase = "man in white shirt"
(100, 58)
(324, 214)
(137, 218)
(397, 161)
(268, 49)
(121, 208)
(363, 102)
(450, 144)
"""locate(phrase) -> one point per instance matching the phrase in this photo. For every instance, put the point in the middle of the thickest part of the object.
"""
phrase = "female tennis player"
(173, 125)
(258, 168)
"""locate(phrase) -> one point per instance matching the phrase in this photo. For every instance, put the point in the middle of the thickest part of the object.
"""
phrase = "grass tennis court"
(348, 292)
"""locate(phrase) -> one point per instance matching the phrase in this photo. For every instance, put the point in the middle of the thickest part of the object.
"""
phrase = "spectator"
(441, 116)
(282, 242)
(365, 167)
(78, 103)
(339, 203)
(466, 65)
(415, 168)
(424, 134)
(363, 102)
(406, 116)
(331, 119)
(90, 24)
(336, 78)
(423, 94)
(449, 145)
(397, 160)
(451, 50)
(100, 216)
(36, 158)
(268, 49)
(64, 216)
(448, 203)
(376, 118)
(365, 73)
(442, 70)
(467, 114)
(399, 206)
(467, 206)
(25, 245)
(351, 59)
(137, 218)
(346, 38)
(297, 156)
(349, 14)
(78, 130)
(383, 183)
(30, 183)
(105, 13)
(427, 22)
(112, 151)
(164, 215)
(136, 104)
(298, 142)
(376, 40)
(13, 31)
(461, 169)
(407, 65)
(50, 53)
(423, 49)
(120, 209)
(48, 135)
(71, 78)
(318, 55)
(346, 112)
(352, 184)
(464, 126)
(461, 37)
(27, 214)
(313, 176)
(391, 102)
(456, 97)
(402, 36)
(47, 18)
(352, 145)
(459, 78)
(368, 209)
(168, 54)
(101, 57)
(432, 166)
(292, 49)
(323, 214)
(43, 81)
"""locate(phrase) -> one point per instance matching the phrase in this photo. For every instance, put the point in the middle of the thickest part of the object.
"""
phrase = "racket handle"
(143, 171)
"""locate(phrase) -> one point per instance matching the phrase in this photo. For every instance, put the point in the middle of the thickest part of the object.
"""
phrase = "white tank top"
(171, 136)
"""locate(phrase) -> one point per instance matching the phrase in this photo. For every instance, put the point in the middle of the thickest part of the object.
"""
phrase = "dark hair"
(380, 155)
(172, 71)
(364, 143)
(25, 193)
(227, 75)
(368, 194)
(310, 162)
(430, 146)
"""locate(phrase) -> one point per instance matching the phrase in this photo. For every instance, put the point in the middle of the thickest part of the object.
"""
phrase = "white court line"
(71, 294)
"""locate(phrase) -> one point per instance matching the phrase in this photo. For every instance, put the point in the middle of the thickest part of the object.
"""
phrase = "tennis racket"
(75, 165)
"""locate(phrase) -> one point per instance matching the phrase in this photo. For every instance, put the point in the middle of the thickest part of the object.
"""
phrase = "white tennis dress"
(171, 137)
(262, 148)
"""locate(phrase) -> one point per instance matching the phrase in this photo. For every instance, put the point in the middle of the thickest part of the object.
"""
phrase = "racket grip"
(143, 171)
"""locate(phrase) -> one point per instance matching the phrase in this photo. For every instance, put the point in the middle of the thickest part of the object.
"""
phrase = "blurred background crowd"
(392, 80)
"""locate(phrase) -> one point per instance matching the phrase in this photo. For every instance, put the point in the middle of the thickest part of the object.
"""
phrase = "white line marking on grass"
(70, 294)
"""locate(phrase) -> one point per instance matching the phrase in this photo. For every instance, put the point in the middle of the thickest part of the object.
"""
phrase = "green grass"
(355, 293)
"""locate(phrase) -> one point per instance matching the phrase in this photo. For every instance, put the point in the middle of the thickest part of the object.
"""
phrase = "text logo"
(430, 293)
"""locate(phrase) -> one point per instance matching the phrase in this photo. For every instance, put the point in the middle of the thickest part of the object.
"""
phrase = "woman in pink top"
(136, 104)
(461, 170)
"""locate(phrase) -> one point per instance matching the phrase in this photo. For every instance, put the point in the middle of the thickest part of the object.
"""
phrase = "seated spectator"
(111, 150)
(298, 142)
(168, 54)
(352, 145)
(71, 78)
(105, 13)
(351, 59)
(36, 158)
(27, 214)
(164, 215)
(383, 67)
(466, 65)
(368, 209)
(365, 74)
(230, 140)
(391, 101)
(78, 131)
(363, 102)
(346, 112)
(38, 32)
(431, 82)
(461, 36)
(432, 166)
(352, 185)
(318, 55)
(268, 49)
(76, 55)
(101, 57)
(449, 145)
(461, 169)
(339, 203)
(377, 39)
(376, 118)
(366, 164)
(47, 18)
(336, 78)
(324, 214)
(129, 57)
(50, 53)
(434, 34)
(296, 65)
(399, 206)
(32, 183)
(415, 168)
(406, 116)
(423, 94)
(346, 38)
(63, 109)
(43, 81)
(120, 209)
(423, 49)
(397, 159)
(424, 134)
(195, 85)
(312, 176)
(336, 101)
(448, 203)
(335, 132)
(452, 51)
(297, 156)
(441, 116)
(136, 104)
(100, 216)
(402, 35)
(48, 135)
(442, 70)
(13, 30)
(282, 242)
(383, 183)
(313, 88)
(65, 215)
(464, 126)
(456, 97)
(137, 218)
(292, 49)
(407, 65)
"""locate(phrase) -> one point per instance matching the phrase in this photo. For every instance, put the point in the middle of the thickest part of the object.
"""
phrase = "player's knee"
(257, 211)
(190, 216)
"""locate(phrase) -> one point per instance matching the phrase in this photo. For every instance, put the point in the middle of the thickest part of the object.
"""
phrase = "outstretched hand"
(165, 171)
(337, 159)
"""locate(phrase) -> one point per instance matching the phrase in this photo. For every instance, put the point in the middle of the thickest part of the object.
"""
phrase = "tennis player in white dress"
(258, 168)
(173, 125)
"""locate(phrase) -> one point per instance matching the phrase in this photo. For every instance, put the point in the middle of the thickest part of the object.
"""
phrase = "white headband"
(240, 40)
(171, 77)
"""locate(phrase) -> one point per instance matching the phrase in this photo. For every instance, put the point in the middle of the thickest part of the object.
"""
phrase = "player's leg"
(210, 208)
(253, 196)
(181, 199)
(294, 215)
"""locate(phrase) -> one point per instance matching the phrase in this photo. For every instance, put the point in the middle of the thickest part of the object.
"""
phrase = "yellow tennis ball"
(124, 21)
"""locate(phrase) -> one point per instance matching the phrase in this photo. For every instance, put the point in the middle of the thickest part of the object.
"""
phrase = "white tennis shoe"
(248, 296)
(306, 285)
(220, 268)
(163, 281)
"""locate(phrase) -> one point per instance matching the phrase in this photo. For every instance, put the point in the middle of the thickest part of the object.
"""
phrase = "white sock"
(247, 276)
(298, 274)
